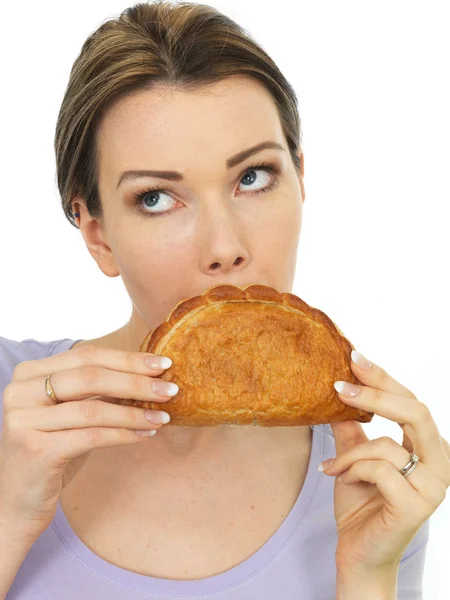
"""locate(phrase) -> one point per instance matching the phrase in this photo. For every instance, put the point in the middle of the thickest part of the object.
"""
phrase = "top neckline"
(215, 583)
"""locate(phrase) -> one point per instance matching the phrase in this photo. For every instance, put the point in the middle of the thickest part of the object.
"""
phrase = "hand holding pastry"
(47, 437)
(378, 509)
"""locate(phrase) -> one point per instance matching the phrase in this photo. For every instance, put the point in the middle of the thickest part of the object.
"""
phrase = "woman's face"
(208, 225)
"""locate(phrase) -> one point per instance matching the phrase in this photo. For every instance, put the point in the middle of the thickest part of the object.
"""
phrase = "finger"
(419, 495)
(73, 442)
(409, 412)
(376, 377)
(86, 413)
(381, 448)
(84, 382)
(398, 409)
(118, 360)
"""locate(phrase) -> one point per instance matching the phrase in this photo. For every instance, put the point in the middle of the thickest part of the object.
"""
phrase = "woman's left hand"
(377, 510)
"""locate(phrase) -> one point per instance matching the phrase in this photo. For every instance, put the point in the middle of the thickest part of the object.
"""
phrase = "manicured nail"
(145, 432)
(158, 362)
(346, 389)
(326, 464)
(360, 360)
(159, 417)
(164, 388)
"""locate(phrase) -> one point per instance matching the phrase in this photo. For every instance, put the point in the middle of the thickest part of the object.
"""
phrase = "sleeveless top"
(296, 563)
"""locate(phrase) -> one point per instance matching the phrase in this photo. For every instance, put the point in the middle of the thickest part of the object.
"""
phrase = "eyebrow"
(177, 176)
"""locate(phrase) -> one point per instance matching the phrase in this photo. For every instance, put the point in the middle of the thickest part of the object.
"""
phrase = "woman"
(238, 512)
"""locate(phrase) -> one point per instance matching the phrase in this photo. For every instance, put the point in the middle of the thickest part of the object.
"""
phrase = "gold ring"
(50, 391)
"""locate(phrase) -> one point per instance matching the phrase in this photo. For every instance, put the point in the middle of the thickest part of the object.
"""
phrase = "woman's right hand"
(44, 445)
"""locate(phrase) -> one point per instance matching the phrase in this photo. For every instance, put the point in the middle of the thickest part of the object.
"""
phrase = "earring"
(77, 214)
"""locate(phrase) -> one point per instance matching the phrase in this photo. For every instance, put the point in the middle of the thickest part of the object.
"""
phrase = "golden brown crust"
(252, 356)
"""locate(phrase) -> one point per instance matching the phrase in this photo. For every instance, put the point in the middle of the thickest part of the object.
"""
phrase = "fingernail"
(164, 388)
(360, 360)
(158, 362)
(157, 416)
(326, 464)
(346, 389)
(145, 432)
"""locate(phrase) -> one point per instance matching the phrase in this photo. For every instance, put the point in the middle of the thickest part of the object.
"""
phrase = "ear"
(301, 157)
(94, 235)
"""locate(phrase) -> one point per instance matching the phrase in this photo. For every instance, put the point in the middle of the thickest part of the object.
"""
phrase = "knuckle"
(89, 409)
(378, 396)
(134, 414)
(90, 374)
(94, 435)
(423, 414)
(386, 444)
(383, 375)
(88, 352)
(20, 371)
(409, 394)
(130, 362)
(8, 396)
(14, 424)
(139, 384)
(425, 411)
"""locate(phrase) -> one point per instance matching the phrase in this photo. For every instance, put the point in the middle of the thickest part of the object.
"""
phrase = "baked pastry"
(252, 356)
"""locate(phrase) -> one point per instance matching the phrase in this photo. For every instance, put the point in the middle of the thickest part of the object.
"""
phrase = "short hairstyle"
(181, 44)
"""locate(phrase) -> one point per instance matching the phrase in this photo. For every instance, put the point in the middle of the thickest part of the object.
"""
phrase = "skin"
(216, 219)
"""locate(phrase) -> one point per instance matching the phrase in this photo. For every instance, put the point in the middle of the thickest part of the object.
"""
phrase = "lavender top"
(296, 563)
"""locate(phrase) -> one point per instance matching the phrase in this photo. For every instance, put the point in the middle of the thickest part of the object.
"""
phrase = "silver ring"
(409, 468)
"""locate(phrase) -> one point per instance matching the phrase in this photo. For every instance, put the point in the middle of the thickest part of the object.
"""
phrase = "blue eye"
(250, 177)
(149, 199)
(154, 193)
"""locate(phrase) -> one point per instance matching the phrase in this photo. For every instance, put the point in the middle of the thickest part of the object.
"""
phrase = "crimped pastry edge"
(154, 341)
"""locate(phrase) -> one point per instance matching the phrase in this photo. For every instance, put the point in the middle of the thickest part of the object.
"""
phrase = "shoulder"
(13, 352)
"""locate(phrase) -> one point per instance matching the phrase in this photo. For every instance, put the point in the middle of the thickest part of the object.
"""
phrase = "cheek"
(147, 262)
(283, 223)
(275, 241)
(153, 274)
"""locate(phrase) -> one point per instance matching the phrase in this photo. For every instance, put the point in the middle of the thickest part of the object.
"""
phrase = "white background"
(372, 82)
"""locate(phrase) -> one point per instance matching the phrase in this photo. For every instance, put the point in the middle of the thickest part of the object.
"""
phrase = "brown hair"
(180, 44)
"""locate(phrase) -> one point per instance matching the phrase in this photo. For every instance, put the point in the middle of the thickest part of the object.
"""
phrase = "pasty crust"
(250, 355)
